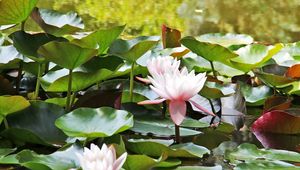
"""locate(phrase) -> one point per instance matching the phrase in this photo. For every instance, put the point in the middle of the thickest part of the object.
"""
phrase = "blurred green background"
(266, 20)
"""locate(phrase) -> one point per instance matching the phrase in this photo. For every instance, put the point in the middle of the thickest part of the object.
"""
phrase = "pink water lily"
(104, 159)
(176, 87)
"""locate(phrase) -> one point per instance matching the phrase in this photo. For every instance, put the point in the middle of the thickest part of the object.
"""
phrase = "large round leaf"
(254, 55)
(255, 96)
(100, 39)
(11, 104)
(57, 23)
(59, 160)
(10, 57)
(154, 147)
(226, 40)
(101, 122)
(211, 52)
(15, 11)
(65, 54)
(35, 124)
(28, 44)
(133, 49)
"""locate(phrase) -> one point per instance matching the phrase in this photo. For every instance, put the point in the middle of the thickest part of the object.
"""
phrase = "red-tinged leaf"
(277, 121)
(293, 72)
(277, 103)
(170, 37)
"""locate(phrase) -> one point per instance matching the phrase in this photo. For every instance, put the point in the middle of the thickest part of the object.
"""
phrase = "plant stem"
(213, 69)
(37, 86)
(5, 123)
(212, 106)
(177, 134)
(131, 83)
(19, 76)
(164, 109)
(23, 26)
(68, 104)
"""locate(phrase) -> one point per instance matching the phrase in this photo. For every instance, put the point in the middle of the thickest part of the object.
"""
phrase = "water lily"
(175, 86)
(101, 159)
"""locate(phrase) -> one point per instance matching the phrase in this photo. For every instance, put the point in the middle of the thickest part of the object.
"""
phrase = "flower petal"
(177, 110)
(143, 80)
(200, 107)
(157, 101)
(120, 161)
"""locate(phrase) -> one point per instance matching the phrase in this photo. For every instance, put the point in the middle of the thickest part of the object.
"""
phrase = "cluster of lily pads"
(63, 89)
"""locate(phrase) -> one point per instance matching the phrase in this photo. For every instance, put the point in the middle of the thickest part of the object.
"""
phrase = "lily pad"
(84, 122)
(155, 147)
(15, 11)
(35, 124)
(133, 49)
(255, 96)
(100, 39)
(170, 37)
(65, 54)
(56, 23)
(211, 52)
(6, 103)
(226, 40)
(62, 160)
(248, 151)
(266, 164)
(255, 55)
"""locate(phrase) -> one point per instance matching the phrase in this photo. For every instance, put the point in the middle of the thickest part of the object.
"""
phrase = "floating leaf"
(294, 71)
(133, 49)
(65, 54)
(28, 44)
(266, 164)
(252, 56)
(278, 121)
(134, 162)
(56, 23)
(226, 40)
(15, 11)
(277, 103)
(100, 39)
(62, 160)
(255, 96)
(170, 37)
(218, 167)
(6, 103)
(248, 151)
(84, 122)
(154, 147)
(35, 124)
(211, 52)
(213, 90)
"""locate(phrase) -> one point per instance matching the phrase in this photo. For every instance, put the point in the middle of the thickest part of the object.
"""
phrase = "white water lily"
(175, 86)
(101, 159)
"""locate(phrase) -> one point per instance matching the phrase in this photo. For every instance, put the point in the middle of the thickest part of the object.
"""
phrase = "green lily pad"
(15, 11)
(255, 96)
(100, 39)
(35, 124)
(84, 122)
(6, 103)
(226, 40)
(28, 44)
(56, 23)
(266, 164)
(213, 90)
(134, 162)
(133, 49)
(248, 151)
(218, 167)
(65, 54)
(58, 81)
(211, 52)
(273, 75)
(5, 158)
(155, 147)
(252, 56)
(62, 160)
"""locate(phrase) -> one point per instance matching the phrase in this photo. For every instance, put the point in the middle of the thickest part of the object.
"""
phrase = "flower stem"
(68, 103)
(131, 83)
(18, 82)
(177, 134)
(38, 82)
(5, 123)
(164, 109)
(213, 69)
(23, 26)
